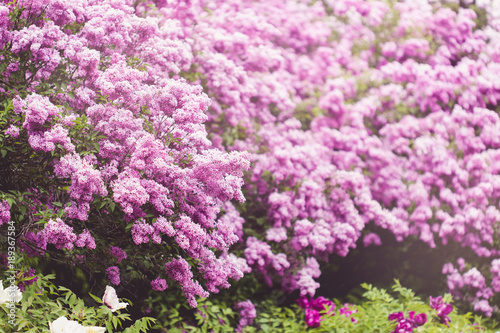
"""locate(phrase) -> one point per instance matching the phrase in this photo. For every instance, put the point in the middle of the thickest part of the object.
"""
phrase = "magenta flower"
(347, 311)
(420, 319)
(443, 309)
(396, 316)
(435, 301)
(313, 318)
(313, 307)
(321, 303)
(303, 302)
(407, 324)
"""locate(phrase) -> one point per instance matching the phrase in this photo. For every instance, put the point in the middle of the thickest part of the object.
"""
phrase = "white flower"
(63, 325)
(111, 299)
(95, 329)
(11, 293)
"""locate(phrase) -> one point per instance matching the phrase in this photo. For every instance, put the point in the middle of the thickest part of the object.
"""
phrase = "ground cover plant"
(201, 155)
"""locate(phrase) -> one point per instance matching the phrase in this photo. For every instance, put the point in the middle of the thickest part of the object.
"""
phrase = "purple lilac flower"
(159, 284)
(4, 212)
(118, 253)
(12, 131)
(113, 275)
(247, 313)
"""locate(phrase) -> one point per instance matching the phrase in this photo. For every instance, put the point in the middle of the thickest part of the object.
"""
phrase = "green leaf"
(95, 298)
(109, 326)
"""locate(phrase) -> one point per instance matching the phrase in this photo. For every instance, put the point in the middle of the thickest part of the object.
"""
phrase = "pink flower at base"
(420, 319)
(405, 325)
(443, 309)
(348, 310)
(323, 304)
(312, 317)
(303, 302)
(312, 307)
(396, 316)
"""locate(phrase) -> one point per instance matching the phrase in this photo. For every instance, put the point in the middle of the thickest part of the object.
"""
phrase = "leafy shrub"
(43, 302)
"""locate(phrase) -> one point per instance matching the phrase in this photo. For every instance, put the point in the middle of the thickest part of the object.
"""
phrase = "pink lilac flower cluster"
(179, 270)
(39, 114)
(118, 253)
(312, 308)
(406, 325)
(247, 313)
(4, 212)
(113, 273)
(471, 285)
(59, 233)
(159, 284)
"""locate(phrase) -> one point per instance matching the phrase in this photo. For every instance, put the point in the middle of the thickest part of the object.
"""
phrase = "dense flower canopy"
(192, 142)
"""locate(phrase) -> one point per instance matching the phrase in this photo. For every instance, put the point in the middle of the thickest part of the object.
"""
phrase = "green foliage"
(378, 304)
(371, 316)
(42, 302)
(273, 318)
(208, 316)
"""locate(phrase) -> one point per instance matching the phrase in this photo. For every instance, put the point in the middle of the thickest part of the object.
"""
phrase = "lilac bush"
(190, 143)
(393, 122)
(128, 163)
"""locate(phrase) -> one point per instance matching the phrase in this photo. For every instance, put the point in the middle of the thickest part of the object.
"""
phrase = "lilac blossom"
(247, 312)
(159, 284)
(118, 253)
(4, 212)
(113, 273)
